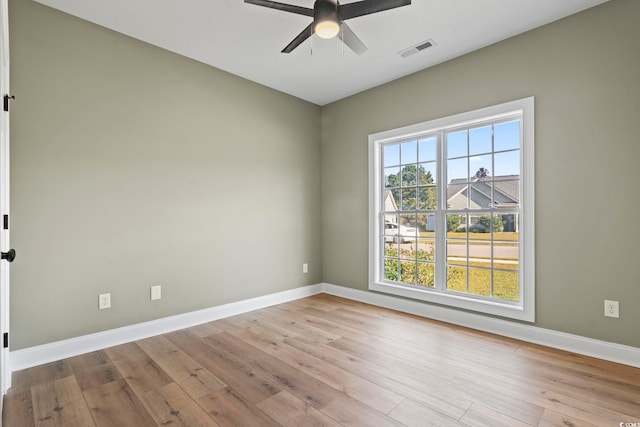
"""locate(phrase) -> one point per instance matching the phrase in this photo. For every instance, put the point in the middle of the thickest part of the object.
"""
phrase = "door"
(7, 254)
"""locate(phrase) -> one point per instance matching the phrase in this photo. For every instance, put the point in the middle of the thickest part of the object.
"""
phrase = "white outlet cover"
(104, 301)
(156, 292)
(305, 268)
(611, 308)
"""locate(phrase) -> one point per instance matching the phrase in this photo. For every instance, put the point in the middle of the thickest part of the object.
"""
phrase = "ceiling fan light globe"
(327, 29)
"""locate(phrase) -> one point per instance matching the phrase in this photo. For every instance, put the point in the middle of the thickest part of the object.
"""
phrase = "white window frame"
(524, 309)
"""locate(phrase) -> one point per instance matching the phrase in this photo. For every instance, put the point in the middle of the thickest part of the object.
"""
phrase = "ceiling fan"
(328, 19)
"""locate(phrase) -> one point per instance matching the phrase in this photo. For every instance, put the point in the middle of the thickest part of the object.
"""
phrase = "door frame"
(5, 372)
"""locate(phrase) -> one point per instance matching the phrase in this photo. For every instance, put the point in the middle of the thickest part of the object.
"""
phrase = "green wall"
(133, 166)
(584, 72)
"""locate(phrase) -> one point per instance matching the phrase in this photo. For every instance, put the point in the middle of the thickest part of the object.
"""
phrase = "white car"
(407, 234)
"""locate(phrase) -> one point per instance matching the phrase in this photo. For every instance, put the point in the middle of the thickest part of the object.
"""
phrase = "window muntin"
(449, 213)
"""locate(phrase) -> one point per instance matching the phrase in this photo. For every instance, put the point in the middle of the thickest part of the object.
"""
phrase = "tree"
(482, 173)
(410, 189)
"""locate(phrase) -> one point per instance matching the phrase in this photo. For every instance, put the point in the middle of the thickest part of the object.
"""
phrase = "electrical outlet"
(104, 301)
(611, 309)
(305, 268)
(156, 292)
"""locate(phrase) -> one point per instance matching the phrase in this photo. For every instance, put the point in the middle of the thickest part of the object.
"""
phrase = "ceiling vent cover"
(417, 48)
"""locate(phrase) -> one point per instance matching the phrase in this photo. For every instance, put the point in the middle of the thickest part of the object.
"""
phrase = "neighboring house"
(390, 205)
(506, 193)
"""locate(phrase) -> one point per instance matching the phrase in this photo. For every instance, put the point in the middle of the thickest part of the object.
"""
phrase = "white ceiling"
(246, 40)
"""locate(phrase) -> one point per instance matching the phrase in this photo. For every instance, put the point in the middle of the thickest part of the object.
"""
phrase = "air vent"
(417, 48)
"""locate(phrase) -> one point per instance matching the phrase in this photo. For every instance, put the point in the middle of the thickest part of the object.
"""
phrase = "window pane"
(480, 226)
(426, 274)
(391, 269)
(408, 199)
(408, 272)
(427, 173)
(457, 171)
(506, 285)
(392, 177)
(457, 278)
(409, 176)
(407, 228)
(506, 136)
(506, 256)
(427, 199)
(480, 281)
(426, 250)
(507, 163)
(480, 166)
(456, 226)
(457, 252)
(506, 193)
(391, 235)
(391, 155)
(479, 196)
(407, 252)
(456, 144)
(480, 140)
(409, 152)
(427, 149)
(390, 247)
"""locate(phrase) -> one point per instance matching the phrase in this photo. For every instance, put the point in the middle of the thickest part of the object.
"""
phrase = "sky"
(466, 151)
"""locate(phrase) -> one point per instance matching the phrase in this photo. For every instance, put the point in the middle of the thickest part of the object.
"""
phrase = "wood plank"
(240, 377)
(137, 368)
(277, 316)
(450, 404)
(349, 412)
(94, 369)
(367, 392)
(170, 405)
(230, 409)
(412, 413)
(185, 371)
(510, 404)
(27, 378)
(308, 389)
(289, 411)
(60, 403)
(116, 404)
(205, 330)
(481, 416)
(555, 419)
(18, 409)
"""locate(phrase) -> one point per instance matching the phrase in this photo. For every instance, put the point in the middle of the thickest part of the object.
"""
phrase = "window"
(451, 206)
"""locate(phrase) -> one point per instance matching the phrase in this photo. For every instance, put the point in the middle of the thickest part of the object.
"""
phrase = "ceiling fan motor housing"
(325, 17)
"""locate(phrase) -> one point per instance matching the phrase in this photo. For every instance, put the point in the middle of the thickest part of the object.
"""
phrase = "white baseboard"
(613, 352)
(34, 356)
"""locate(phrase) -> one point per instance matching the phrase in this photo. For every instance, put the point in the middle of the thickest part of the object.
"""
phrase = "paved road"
(475, 251)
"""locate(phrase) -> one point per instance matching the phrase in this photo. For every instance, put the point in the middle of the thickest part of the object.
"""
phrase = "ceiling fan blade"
(367, 7)
(282, 6)
(351, 40)
(305, 34)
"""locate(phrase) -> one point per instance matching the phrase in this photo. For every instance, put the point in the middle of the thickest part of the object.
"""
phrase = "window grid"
(409, 266)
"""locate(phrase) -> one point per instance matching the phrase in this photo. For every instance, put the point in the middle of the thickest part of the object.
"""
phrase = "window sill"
(511, 311)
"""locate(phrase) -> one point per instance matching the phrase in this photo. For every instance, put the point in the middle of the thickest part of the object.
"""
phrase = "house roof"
(507, 185)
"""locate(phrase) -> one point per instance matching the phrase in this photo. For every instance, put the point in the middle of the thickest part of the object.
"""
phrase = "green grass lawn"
(505, 283)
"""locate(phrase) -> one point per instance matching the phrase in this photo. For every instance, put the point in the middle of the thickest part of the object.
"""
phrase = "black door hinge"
(6, 101)
(5, 222)
(5, 340)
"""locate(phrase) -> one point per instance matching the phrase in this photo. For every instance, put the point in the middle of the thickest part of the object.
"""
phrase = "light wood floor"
(325, 361)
